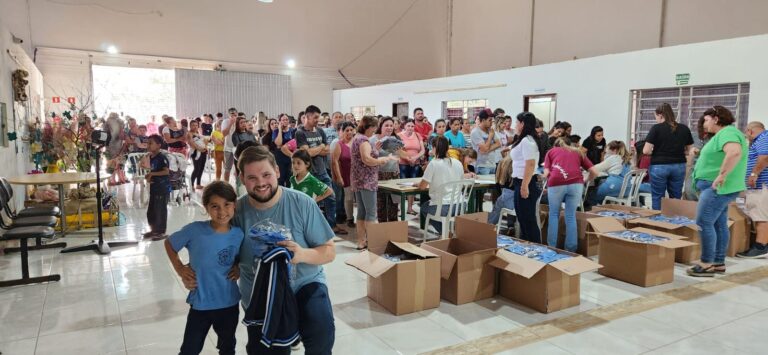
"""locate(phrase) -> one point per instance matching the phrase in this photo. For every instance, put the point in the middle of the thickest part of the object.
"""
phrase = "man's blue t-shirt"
(160, 184)
(211, 256)
(308, 226)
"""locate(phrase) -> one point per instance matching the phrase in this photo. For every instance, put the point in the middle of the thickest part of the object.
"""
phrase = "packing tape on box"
(421, 280)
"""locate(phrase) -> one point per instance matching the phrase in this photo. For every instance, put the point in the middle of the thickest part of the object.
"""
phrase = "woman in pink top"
(565, 183)
(414, 149)
(364, 172)
(341, 164)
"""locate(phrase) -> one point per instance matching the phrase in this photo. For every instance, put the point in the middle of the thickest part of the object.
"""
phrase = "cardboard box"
(543, 287)
(642, 264)
(674, 207)
(641, 212)
(465, 275)
(401, 287)
(741, 231)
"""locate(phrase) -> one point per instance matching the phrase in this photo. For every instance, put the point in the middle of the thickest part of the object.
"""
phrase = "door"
(543, 106)
(399, 109)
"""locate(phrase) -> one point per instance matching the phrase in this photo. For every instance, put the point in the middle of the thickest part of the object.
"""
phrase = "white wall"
(14, 159)
(592, 91)
(67, 73)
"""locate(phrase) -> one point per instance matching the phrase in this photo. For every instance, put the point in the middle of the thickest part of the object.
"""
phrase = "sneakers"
(159, 236)
(340, 231)
(351, 223)
(757, 251)
(700, 271)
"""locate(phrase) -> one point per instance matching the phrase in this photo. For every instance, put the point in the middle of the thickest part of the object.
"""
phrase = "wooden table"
(58, 179)
(409, 187)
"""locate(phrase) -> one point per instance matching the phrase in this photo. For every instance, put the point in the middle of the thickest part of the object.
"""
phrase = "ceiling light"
(112, 50)
(290, 63)
(266, 1)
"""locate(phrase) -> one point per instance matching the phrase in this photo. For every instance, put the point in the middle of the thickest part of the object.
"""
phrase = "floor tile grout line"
(653, 301)
(119, 312)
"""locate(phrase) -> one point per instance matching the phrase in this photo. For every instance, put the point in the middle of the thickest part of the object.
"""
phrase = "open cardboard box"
(642, 264)
(741, 230)
(465, 275)
(543, 287)
(641, 212)
(401, 287)
(690, 232)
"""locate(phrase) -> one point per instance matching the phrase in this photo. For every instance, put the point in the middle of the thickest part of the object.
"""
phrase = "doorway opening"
(399, 109)
(136, 92)
(543, 106)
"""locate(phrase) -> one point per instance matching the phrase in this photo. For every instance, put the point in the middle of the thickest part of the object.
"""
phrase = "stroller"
(177, 165)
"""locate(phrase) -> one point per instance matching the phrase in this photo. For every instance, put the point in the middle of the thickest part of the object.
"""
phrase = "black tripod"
(99, 245)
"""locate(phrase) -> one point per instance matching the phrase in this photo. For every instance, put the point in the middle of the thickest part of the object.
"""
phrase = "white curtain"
(205, 91)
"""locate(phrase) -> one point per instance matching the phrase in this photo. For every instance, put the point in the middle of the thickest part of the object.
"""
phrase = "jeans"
(329, 203)
(339, 193)
(712, 219)
(316, 326)
(506, 200)
(284, 165)
(486, 170)
(611, 186)
(224, 322)
(571, 195)
(526, 209)
(409, 171)
(157, 211)
(667, 178)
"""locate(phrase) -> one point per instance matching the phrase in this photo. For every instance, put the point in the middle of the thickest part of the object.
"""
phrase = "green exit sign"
(682, 79)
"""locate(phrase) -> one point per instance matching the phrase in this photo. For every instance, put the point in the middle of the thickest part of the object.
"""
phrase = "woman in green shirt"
(719, 176)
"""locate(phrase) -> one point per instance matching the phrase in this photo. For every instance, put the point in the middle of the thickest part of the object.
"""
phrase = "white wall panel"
(205, 91)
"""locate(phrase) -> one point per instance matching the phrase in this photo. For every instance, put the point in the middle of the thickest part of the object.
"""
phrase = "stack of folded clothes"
(679, 220)
(618, 214)
(396, 258)
(639, 237)
(534, 251)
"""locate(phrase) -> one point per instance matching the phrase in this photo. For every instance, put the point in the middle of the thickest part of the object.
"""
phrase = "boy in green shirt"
(305, 182)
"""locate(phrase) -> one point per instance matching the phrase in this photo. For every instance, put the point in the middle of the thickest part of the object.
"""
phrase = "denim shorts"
(366, 205)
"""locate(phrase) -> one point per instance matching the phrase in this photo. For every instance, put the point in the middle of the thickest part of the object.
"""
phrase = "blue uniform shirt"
(160, 184)
(758, 147)
(308, 226)
(211, 255)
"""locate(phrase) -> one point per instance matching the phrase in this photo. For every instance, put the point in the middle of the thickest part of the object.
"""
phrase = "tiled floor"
(131, 302)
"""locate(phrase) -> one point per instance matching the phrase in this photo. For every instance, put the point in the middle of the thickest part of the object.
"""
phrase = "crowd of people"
(337, 161)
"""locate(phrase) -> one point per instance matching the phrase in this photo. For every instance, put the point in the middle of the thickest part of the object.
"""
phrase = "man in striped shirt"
(757, 188)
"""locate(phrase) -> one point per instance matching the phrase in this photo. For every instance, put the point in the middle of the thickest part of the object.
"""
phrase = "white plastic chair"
(630, 197)
(584, 195)
(458, 194)
(138, 177)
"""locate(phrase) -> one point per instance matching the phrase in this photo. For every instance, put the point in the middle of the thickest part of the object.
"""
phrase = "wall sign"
(55, 99)
(682, 79)
(71, 100)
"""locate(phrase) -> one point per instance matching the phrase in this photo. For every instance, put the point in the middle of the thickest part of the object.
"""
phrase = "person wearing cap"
(421, 124)
(485, 143)
(756, 200)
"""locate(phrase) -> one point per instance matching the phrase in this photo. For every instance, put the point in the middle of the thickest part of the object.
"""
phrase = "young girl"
(213, 247)
(305, 182)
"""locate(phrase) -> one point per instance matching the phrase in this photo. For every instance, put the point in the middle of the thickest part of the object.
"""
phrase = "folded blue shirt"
(639, 237)
(536, 252)
(679, 220)
(618, 214)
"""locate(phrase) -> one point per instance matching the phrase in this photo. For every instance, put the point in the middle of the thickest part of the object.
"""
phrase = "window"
(360, 111)
(463, 108)
(138, 92)
(688, 103)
